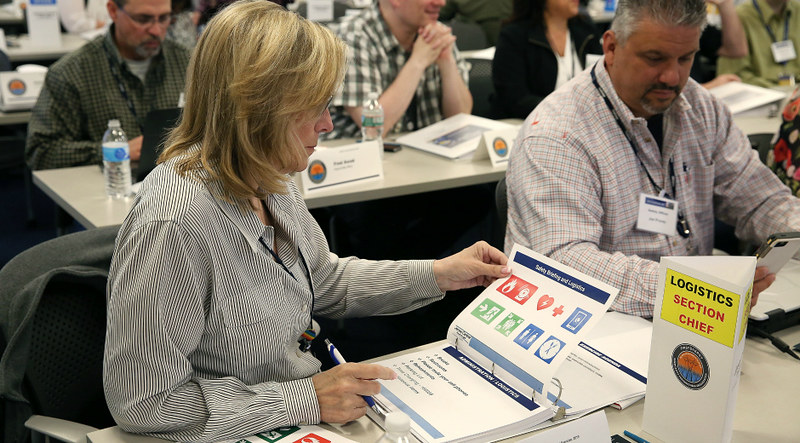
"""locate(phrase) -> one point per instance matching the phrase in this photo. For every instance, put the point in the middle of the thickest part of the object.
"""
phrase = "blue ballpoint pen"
(337, 358)
(635, 437)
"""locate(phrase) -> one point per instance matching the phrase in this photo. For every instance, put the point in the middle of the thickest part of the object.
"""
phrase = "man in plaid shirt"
(401, 51)
(580, 171)
(121, 75)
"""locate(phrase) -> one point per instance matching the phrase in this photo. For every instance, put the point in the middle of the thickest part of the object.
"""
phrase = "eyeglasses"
(145, 20)
(327, 105)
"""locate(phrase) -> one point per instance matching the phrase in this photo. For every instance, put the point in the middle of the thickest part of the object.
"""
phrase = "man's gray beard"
(141, 51)
(653, 110)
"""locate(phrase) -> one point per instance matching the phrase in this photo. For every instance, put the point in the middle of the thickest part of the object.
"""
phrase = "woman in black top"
(543, 45)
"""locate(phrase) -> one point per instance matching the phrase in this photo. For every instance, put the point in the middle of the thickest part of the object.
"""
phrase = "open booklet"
(490, 379)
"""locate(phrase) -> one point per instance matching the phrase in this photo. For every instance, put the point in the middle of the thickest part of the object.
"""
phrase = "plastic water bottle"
(397, 428)
(116, 161)
(372, 121)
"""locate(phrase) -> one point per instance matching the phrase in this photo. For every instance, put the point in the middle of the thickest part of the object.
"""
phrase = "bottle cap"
(373, 95)
(397, 422)
(113, 123)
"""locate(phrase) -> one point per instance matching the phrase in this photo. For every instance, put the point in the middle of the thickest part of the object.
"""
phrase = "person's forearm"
(734, 41)
(397, 97)
(456, 97)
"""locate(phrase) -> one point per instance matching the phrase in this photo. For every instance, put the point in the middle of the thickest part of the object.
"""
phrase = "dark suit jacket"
(525, 68)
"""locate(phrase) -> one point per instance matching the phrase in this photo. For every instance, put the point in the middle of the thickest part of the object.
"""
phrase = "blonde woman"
(219, 269)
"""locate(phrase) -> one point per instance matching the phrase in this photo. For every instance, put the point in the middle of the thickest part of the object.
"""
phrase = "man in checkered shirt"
(121, 75)
(400, 50)
(575, 181)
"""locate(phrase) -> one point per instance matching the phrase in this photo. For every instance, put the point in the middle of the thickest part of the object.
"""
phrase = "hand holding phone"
(777, 250)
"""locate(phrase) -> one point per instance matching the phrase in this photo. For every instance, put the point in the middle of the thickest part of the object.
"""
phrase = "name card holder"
(333, 167)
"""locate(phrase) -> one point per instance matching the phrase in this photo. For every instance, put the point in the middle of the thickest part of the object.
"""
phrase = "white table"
(21, 49)
(80, 190)
(767, 403)
(14, 117)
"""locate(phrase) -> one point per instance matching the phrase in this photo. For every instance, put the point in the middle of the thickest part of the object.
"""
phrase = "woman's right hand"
(340, 389)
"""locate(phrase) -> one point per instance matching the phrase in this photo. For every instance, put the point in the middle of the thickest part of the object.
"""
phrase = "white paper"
(452, 137)
(590, 429)
(740, 97)
(320, 10)
(502, 351)
(343, 165)
(3, 44)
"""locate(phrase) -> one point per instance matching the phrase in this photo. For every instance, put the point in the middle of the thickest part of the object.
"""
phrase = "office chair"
(481, 86)
(53, 336)
(762, 143)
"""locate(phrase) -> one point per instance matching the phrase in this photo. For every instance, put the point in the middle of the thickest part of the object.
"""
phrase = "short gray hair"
(667, 12)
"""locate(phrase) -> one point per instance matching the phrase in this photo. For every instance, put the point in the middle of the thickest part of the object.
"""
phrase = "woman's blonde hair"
(257, 70)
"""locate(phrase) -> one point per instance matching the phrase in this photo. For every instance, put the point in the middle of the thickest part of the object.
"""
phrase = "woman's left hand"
(480, 264)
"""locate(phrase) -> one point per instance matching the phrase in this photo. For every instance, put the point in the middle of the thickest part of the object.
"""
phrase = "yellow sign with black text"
(700, 307)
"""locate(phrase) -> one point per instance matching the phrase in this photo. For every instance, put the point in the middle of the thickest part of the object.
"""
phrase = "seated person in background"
(488, 14)
(543, 46)
(584, 160)
(401, 52)
(79, 16)
(725, 37)
(219, 269)
(123, 74)
(784, 158)
(772, 28)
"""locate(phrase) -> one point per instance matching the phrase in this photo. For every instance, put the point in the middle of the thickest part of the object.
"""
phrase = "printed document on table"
(452, 137)
(740, 97)
(489, 380)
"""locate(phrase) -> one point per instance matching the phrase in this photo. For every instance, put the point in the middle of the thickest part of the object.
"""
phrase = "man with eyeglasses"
(124, 74)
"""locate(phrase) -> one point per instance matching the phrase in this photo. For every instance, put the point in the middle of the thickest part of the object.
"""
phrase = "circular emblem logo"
(317, 171)
(500, 147)
(690, 366)
(17, 86)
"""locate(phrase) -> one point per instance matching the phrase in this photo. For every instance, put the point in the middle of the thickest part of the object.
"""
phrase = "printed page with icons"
(491, 377)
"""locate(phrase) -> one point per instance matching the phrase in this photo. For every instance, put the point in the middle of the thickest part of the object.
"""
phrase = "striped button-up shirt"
(203, 323)
(80, 95)
(376, 58)
(574, 184)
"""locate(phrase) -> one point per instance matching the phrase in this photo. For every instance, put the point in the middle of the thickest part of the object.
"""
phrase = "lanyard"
(309, 334)
(622, 128)
(683, 224)
(769, 30)
(122, 90)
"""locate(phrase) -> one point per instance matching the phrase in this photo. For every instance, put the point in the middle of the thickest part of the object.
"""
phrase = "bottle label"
(371, 121)
(115, 152)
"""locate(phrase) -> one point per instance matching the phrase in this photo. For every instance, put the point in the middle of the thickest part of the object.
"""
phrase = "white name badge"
(783, 51)
(496, 145)
(319, 10)
(657, 214)
(330, 167)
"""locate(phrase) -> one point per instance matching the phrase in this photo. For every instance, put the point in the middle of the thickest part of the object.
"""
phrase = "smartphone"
(391, 146)
(777, 250)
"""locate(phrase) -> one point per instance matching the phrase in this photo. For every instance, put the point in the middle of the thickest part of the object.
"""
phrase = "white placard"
(319, 10)
(699, 323)
(496, 145)
(43, 25)
(354, 163)
(19, 91)
(3, 44)
(452, 137)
